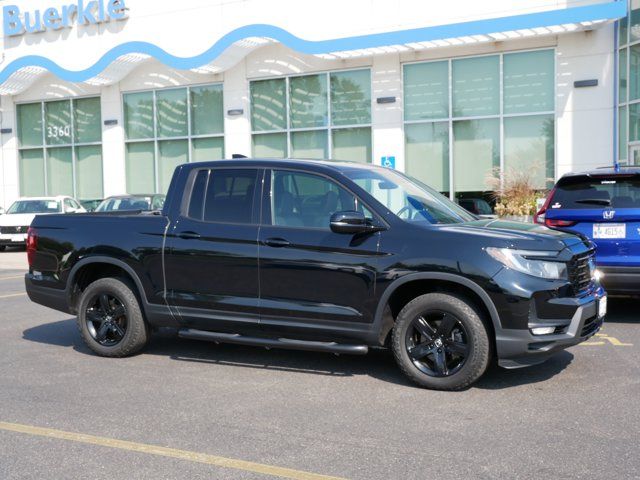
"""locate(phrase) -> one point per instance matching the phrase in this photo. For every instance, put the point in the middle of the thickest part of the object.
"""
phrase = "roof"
(335, 165)
(623, 170)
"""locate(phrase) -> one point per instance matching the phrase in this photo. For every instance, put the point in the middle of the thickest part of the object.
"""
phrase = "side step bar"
(287, 343)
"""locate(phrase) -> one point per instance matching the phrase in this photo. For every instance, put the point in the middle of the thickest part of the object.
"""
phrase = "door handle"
(277, 242)
(189, 235)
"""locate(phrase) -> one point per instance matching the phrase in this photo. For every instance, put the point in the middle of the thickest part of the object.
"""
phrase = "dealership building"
(105, 97)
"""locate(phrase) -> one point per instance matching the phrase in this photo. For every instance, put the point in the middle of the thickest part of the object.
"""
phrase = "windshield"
(126, 203)
(408, 198)
(34, 206)
(582, 192)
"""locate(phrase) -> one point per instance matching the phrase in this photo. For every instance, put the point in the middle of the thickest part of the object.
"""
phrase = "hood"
(520, 235)
(17, 219)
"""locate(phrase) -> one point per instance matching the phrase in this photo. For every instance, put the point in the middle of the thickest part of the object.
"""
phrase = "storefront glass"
(318, 116)
(71, 163)
(498, 110)
(165, 128)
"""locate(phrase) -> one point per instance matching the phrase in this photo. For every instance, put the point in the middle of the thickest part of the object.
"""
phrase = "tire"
(3, 248)
(115, 327)
(433, 355)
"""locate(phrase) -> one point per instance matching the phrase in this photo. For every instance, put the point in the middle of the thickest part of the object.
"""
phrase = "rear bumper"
(47, 296)
(13, 240)
(622, 280)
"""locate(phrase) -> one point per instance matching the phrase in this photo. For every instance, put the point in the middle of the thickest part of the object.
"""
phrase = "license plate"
(602, 307)
(609, 230)
(18, 238)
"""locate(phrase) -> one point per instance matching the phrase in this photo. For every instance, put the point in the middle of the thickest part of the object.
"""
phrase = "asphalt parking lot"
(186, 409)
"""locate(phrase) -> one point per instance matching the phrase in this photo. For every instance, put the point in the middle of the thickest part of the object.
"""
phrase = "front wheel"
(440, 342)
(110, 319)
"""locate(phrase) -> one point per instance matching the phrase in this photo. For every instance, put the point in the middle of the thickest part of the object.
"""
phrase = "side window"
(228, 195)
(67, 205)
(307, 200)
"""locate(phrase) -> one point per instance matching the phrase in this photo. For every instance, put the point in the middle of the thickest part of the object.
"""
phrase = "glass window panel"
(269, 145)
(634, 21)
(622, 30)
(229, 196)
(352, 144)
(426, 91)
(308, 101)
(30, 125)
(89, 172)
(207, 110)
(634, 122)
(171, 154)
(476, 151)
(205, 149)
(634, 72)
(138, 115)
(622, 133)
(59, 171)
(351, 98)
(268, 105)
(196, 202)
(140, 167)
(528, 81)
(622, 75)
(529, 146)
(32, 172)
(86, 116)
(171, 106)
(427, 153)
(57, 116)
(476, 86)
(310, 144)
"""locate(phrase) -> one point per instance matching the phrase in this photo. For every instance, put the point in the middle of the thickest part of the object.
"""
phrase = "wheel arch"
(408, 287)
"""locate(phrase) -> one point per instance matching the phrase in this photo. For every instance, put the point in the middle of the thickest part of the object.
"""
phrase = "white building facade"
(106, 97)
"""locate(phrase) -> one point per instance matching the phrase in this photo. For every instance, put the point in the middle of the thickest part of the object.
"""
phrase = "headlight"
(519, 260)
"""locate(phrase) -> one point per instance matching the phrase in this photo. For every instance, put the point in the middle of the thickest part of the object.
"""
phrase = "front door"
(634, 155)
(211, 262)
(312, 279)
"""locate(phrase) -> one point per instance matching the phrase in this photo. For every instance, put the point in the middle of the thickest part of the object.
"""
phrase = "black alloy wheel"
(437, 343)
(106, 319)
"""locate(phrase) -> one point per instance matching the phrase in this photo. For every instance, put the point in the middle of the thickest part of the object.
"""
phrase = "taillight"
(553, 222)
(32, 244)
(540, 216)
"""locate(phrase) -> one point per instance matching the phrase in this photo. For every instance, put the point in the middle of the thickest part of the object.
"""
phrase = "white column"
(237, 128)
(388, 139)
(113, 147)
(9, 180)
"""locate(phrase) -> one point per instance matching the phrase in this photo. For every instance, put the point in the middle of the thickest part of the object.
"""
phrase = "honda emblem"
(608, 214)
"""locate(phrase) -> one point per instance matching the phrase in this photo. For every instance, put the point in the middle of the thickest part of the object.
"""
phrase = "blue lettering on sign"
(92, 12)
(389, 162)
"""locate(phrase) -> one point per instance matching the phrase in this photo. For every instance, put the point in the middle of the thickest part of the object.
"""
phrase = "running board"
(287, 343)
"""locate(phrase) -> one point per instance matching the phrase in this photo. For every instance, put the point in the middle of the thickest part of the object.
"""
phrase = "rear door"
(211, 259)
(606, 209)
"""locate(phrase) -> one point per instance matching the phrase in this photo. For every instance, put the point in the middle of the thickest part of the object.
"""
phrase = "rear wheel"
(440, 342)
(3, 248)
(110, 319)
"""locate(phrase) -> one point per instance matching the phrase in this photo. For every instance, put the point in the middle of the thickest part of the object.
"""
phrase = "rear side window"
(582, 192)
(223, 195)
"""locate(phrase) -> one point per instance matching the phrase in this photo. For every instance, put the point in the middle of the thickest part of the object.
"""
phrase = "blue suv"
(604, 206)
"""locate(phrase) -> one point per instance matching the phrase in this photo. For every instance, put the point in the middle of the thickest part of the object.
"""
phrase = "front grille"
(12, 230)
(580, 271)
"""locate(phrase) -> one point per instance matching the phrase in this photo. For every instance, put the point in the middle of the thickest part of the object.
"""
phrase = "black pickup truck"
(325, 256)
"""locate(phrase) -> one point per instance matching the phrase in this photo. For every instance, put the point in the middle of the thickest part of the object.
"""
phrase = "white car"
(15, 223)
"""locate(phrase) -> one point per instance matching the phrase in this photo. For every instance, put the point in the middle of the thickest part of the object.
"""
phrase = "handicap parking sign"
(389, 162)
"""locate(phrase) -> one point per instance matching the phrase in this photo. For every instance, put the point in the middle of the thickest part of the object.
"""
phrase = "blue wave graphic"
(604, 11)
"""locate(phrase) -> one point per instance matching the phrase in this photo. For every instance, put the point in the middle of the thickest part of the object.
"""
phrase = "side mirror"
(352, 222)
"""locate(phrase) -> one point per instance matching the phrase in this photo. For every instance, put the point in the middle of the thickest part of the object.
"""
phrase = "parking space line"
(207, 459)
(13, 295)
(12, 277)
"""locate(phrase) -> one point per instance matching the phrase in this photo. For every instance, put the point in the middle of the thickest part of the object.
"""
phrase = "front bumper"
(13, 239)
(621, 280)
(521, 348)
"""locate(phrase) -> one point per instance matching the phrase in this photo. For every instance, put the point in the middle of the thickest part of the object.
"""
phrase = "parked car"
(153, 201)
(477, 206)
(602, 205)
(14, 225)
(325, 256)
(90, 205)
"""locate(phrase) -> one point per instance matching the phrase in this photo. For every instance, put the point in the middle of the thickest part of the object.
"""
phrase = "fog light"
(597, 274)
(543, 330)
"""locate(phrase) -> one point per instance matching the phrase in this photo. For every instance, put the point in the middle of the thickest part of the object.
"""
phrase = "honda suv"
(603, 205)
